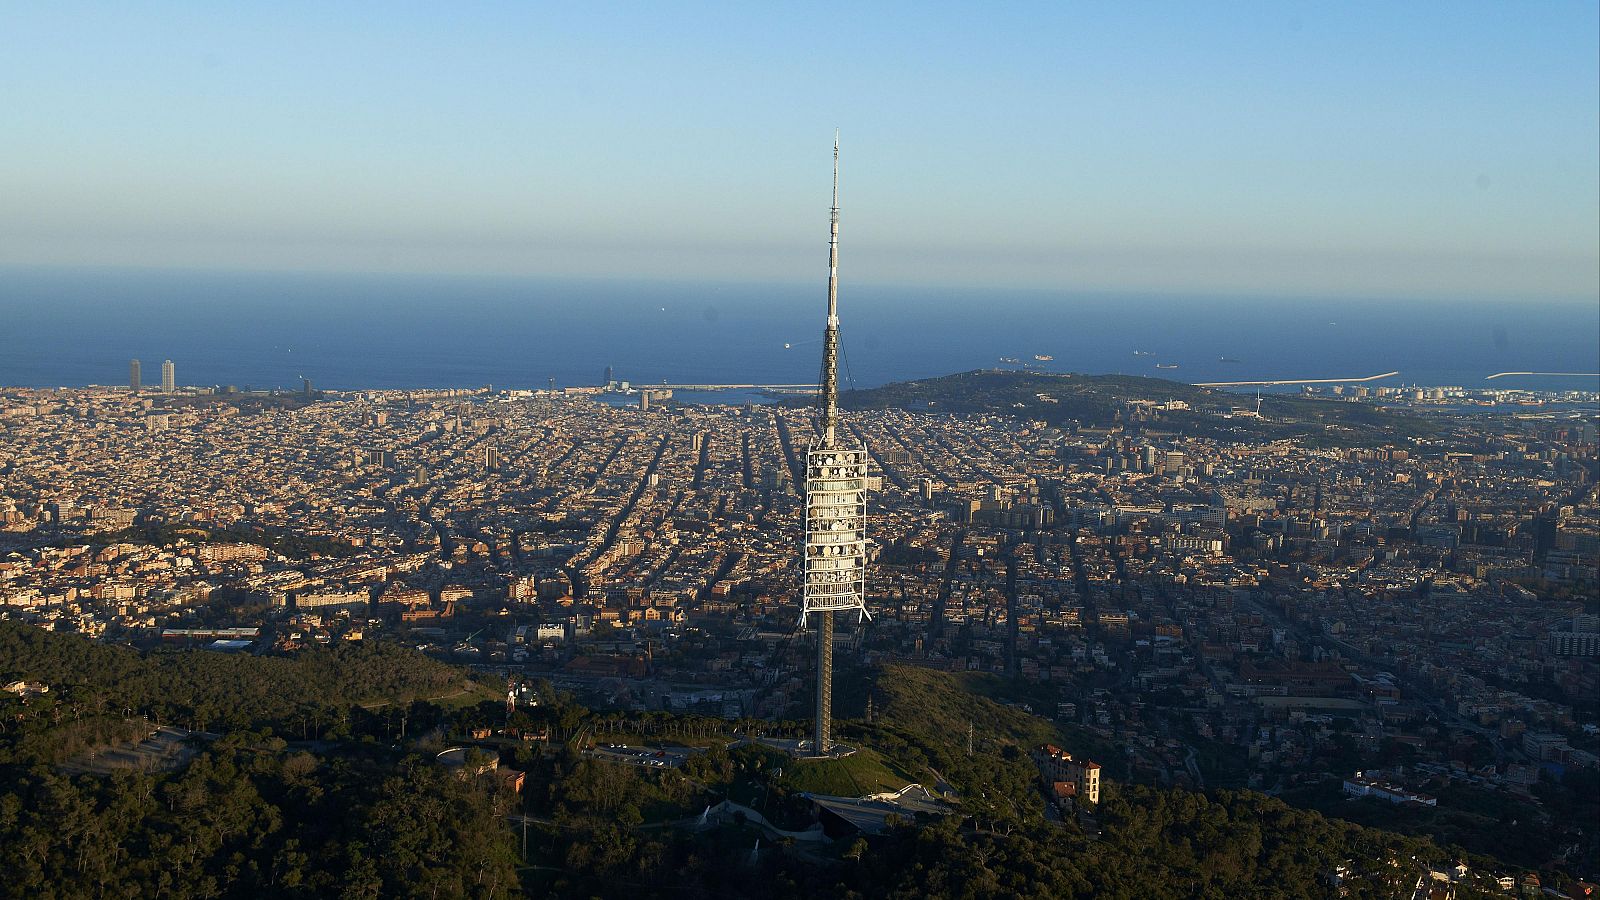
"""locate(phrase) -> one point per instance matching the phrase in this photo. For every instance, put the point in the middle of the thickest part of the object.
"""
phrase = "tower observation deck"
(835, 548)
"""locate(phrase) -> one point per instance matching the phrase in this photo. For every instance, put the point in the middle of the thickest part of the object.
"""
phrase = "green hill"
(1088, 398)
(1106, 400)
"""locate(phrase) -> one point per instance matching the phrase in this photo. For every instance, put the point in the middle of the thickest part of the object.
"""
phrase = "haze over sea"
(75, 327)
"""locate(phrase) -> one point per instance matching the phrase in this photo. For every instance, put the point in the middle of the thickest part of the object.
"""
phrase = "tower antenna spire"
(836, 168)
(830, 337)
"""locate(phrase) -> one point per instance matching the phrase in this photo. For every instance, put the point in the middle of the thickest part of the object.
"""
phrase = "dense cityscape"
(1392, 634)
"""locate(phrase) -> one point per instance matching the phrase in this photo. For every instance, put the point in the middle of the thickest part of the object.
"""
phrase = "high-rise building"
(835, 547)
(169, 380)
(133, 375)
(1582, 639)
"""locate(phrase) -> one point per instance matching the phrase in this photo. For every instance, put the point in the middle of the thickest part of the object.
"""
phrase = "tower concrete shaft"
(824, 729)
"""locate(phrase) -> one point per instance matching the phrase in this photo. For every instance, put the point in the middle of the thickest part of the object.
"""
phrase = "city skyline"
(1209, 452)
(1432, 151)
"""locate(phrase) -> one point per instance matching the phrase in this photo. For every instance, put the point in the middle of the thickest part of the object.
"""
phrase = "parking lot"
(644, 757)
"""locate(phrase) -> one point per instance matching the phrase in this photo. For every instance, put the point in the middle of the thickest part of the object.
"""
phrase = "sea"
(74, 327)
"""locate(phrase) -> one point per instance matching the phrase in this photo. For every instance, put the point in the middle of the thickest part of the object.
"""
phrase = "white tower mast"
(836, 504)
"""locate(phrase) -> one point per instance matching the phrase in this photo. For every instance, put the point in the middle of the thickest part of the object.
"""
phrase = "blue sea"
(77, 327)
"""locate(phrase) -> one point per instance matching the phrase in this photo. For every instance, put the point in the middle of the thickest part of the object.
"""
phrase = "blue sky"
(1371, 149)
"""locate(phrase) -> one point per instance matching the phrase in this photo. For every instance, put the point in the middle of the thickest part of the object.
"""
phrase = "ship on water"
(1011, 360)
(1043, 357)
(1166, 365)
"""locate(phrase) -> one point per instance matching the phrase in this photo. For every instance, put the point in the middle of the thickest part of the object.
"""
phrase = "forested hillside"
(249, 818)
(95, 687)
(367, 812)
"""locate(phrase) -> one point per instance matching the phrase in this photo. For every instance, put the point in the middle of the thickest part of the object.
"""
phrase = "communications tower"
(834, 563)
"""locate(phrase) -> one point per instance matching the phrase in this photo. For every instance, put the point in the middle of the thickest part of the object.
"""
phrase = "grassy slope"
(942, 704)
(861, 773)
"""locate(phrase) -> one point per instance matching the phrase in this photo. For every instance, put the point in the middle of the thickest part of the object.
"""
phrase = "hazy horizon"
(800, 281)
(1429, 151)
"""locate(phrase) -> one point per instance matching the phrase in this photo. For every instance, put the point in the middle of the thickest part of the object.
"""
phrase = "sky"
(1429, 150)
